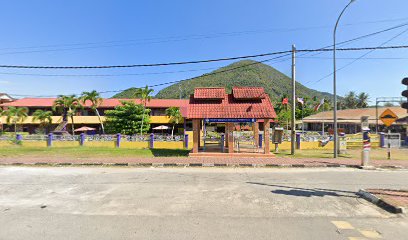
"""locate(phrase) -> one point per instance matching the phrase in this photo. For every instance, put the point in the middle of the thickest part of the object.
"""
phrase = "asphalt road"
(201, 203)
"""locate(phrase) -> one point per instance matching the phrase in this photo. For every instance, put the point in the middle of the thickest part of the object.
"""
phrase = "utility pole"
(293, 132)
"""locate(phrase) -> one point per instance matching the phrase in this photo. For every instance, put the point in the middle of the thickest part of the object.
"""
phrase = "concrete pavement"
(188, 203)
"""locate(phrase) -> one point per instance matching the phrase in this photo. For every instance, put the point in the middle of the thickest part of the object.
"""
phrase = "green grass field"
(94, 152)
(86, 152)
(376, 154)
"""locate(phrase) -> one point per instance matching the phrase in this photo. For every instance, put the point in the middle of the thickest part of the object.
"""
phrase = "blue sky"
(131, 32)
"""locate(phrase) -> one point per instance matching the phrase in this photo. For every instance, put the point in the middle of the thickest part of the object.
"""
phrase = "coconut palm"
(15, 115)
(362, 100)
(44, 117)
(95, 99)
(175, 117)
(68, 105)
(350, 100)
(145, 96)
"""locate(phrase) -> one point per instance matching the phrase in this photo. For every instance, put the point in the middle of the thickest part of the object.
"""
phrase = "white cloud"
(4, 82)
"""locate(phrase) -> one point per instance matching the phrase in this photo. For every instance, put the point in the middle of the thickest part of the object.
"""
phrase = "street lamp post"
(334, 81)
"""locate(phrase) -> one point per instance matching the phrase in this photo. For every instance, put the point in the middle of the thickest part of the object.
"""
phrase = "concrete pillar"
(230, 137)
(82, 139)
(196, 135)
(255, 128)
(118, 138)
(151, 141)
(298, 140)
(186, 141)
(49, 140)
(267, 123)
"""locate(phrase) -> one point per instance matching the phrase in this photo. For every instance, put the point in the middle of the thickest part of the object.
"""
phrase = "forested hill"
(242, 73)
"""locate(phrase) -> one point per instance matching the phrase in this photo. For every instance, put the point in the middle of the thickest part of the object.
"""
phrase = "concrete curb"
(379, 202)
(233, 165)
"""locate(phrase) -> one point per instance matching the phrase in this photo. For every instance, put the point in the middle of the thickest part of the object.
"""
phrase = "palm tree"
(95, 98)
(145, 96)
(362, 100)
(44, 117)
(175, 117)
(15, 115)
(69, 106)
(350, 100)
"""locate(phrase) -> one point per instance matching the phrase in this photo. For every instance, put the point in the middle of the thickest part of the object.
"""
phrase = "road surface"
(195, 203)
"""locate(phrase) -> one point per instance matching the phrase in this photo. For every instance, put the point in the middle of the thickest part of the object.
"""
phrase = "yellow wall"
(137, 145)
(169, 145)
(110, 144)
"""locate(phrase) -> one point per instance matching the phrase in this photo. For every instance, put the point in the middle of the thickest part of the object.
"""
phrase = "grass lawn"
(86, 152)
(375, 154)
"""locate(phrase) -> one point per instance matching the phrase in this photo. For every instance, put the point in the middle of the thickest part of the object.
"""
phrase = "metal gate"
(393, 138)
(245, 142)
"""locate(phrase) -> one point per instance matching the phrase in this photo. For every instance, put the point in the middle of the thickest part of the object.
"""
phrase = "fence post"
(260, 140)
(151, 142)
(82, 139)
(118, 138)
(297, 140)
(382, 139)
(19, 137)
(49, 140)
(186, 141)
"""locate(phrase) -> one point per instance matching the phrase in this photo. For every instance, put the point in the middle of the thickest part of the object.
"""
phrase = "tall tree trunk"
(100, 121)
(15, 127)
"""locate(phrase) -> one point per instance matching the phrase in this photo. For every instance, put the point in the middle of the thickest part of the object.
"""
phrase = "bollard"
(297, 140)
(49, 140)
(365, 154)
(186, 141)
(151, 143)
(118, 139)
(382, 139)
(260, 140)
(82, 139)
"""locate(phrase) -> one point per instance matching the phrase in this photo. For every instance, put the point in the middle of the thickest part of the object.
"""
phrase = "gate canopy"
(242, 103)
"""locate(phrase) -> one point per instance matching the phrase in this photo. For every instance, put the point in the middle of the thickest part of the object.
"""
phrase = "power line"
(104, 75)
(170, 82)
(202, 61)
(147, 65)
(381, 46)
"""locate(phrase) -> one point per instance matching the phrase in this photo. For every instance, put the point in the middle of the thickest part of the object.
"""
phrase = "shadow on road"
(307, 192)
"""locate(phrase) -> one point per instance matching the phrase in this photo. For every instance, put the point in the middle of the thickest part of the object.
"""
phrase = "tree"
(350, 100)
(15, 115)
(362, 100)
(68, 105)
(44, 117)
(145, 96)
(175, 117)
(95, 98)
(127, 118)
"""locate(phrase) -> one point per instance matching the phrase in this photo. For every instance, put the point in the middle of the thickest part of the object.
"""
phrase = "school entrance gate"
(245, 106)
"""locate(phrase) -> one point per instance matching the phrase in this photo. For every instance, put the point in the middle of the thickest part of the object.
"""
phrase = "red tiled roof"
(229, 107)
(248, 92)
(209, 93)
(106, 103)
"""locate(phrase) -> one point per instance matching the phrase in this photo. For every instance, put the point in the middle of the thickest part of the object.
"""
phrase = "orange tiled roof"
(230, 107)
(106, 103)
(209, 93)
(354, 115)
(248, 92)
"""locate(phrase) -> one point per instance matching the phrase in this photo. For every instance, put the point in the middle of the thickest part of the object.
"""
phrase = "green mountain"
(242, 73)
